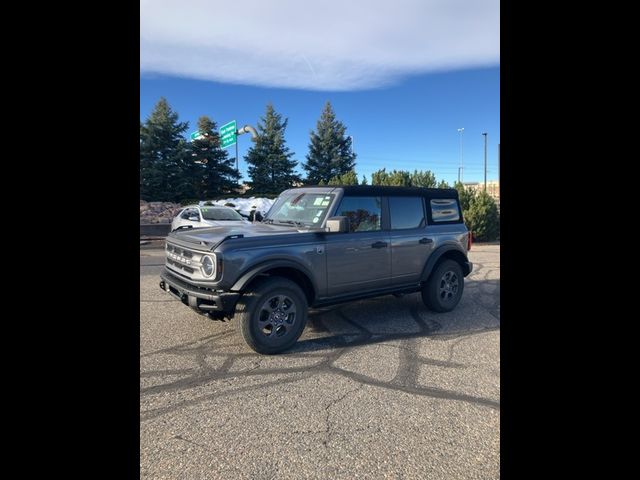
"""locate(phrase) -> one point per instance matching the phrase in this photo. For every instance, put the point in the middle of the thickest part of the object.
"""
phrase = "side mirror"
(194, 219)
(338, 224)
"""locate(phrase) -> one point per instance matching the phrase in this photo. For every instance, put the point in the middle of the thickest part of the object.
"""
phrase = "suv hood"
(210, 237)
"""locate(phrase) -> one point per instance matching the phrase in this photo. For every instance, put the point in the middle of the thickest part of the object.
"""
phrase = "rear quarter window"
(444, 210)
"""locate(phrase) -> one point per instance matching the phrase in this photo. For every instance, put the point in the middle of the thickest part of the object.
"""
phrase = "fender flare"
(255, 270)
(436, 255)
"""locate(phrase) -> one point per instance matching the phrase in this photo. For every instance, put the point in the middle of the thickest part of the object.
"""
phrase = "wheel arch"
(446, 252)
(286, 269)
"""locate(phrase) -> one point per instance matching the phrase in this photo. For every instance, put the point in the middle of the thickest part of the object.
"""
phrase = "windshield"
(308, 209)
(220, 214)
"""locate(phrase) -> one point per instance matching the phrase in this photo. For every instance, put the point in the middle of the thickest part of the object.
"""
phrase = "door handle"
(379, 245)
(425, 240)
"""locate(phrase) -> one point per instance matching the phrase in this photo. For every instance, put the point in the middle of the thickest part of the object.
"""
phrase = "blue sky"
(403, 77)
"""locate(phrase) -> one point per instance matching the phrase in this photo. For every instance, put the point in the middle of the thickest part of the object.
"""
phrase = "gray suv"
(319, 246)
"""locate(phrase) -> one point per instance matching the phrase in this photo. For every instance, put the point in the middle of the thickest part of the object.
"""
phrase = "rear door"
(410, 243)
(360, 260)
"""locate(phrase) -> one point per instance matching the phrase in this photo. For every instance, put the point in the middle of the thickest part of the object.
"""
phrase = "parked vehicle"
(195, 216)
(319, 246)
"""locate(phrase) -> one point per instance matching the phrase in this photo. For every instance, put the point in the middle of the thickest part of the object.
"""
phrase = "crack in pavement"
(323, 353)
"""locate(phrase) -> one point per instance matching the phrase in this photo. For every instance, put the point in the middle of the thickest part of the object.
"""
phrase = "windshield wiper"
(293, 222)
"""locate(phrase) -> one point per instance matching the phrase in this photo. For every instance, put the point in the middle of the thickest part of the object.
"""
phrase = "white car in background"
(195, 216)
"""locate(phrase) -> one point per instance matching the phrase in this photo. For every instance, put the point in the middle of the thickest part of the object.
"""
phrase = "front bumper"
(198, 298)
(468, 268)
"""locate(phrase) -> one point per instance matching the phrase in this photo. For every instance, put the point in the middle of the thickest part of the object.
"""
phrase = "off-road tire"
(252, 310)
(437, 293)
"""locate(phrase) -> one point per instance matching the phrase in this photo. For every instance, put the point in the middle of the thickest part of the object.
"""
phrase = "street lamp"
(461, 169)
(485, 160)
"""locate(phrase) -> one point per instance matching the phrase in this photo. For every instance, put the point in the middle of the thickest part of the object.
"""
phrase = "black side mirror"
(338, 224)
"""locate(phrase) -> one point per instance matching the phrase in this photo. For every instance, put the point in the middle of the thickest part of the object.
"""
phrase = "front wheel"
(443, 290)
(271, 315)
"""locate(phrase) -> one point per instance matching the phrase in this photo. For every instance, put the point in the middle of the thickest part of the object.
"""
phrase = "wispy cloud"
(316, 45)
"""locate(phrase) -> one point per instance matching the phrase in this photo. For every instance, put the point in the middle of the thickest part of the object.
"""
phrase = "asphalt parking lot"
(379, 388)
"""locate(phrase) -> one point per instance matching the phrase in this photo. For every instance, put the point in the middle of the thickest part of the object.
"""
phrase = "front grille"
(179, 251)
(180, 266)
(184, 261)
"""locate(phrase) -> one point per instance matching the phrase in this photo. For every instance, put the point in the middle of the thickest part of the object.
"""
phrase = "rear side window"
(445, 210)
(406, 212)
(364, 213)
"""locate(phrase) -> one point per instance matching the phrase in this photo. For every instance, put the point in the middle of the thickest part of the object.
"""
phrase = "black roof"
(366, 190)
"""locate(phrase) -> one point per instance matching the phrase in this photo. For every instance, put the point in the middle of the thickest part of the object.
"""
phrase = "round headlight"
(208, 266)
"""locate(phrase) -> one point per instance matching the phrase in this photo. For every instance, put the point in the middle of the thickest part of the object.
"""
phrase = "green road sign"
(196, 136)
(228, 134)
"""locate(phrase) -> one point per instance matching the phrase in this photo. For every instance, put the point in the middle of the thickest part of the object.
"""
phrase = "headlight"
(208, 266)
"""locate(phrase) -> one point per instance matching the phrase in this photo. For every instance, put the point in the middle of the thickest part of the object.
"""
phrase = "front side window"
(445, 210)
(190, 212)
(406, 212)
(308, 209)
(364, 213)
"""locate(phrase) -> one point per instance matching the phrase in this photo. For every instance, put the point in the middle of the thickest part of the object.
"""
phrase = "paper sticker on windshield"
(317, 202)
(325, 203)
(315, 220)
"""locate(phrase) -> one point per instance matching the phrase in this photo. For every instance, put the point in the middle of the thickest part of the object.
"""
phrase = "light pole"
(461, 169)
(485, 160)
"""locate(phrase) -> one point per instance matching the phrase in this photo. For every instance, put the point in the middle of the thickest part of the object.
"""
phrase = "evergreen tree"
(162, 148)
(465, 195)
(443, 184)
(364, 181)
(398, 178)
(208, 171)
(330, 151)
(423, 178)
(270, 166)
(349, 178)
(483, 218)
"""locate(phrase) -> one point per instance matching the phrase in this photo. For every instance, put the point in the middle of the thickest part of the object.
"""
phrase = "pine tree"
(483, 218)
(423, 178)
(162, 148)
(364, 181)
(398, 178)
(465, 195)
(443, 184)
(330, 151)
(349, 178)
(208, 171)
(270, 166)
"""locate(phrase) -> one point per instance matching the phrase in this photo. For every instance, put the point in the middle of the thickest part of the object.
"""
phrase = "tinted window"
(445, 210)
(209, 213)
(364, 213)
(406, 212)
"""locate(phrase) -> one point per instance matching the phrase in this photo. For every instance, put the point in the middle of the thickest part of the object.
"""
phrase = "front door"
(360, 260)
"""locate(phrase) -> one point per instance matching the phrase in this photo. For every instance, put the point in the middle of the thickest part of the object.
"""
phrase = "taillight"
(469, 241)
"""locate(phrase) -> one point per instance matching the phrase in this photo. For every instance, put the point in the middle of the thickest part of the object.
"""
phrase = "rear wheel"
(443, 290)
(271, 315)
